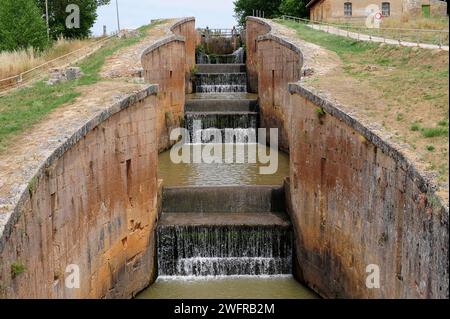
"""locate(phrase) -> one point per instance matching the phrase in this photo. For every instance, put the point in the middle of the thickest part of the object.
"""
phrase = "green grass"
(435, 131)
(412, 84)
(338, 44)
(25, 107)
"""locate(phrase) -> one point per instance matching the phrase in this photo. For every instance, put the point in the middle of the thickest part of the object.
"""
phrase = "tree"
(296, 8)
(244, 8)
(21, 25)
(58, 15)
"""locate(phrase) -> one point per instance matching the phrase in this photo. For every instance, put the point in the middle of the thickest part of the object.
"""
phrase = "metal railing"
(401, 36)
(40, 71)
(220, 32)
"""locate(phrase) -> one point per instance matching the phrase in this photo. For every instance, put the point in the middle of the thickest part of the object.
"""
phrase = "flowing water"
(242, 254)
(219, 174)
(220, 82)
(220, 250)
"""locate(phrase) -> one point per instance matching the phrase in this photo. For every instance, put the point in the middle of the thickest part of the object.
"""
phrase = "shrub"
(21, 26)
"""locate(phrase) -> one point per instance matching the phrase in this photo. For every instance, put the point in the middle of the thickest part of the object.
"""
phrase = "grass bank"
(25, 107)
(16, 62)
(403, 89)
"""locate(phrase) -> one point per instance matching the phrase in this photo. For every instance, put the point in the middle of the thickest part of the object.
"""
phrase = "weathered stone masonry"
(95, 200)
(93, 204)
(272, 63)
(168, 63)
(356, 200)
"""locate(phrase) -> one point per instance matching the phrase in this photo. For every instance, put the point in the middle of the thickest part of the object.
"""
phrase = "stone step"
(224, 244)
(245, 219)
(223, 199)
(221, 105)
(222, 112)
(221, 68)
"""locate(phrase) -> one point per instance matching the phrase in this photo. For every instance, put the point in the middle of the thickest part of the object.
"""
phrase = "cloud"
(134, 13)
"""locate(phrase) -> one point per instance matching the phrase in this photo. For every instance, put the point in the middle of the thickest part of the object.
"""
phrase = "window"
(386, 9)
(348, 9)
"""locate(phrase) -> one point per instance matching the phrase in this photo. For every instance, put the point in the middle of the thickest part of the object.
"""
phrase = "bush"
(21, 26)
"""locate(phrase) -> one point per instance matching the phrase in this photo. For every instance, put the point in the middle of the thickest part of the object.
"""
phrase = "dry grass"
(408, 22)
(15, 62)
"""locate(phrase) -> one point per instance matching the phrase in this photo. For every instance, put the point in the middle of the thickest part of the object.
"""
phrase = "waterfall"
(224, 250)
(239, 55)
(221, 82)
(243, 125)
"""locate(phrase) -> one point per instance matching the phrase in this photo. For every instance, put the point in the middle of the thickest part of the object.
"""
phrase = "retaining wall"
(91, 204)
(273, 62)
(95, 201)
(168, 63)
(355, 199)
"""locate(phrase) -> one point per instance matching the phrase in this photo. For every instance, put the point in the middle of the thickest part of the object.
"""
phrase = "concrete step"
(221, 68)
(221, 105)
(223, 199)
(251, 219)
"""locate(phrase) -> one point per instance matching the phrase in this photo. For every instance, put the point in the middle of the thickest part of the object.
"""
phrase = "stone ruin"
(59, 75)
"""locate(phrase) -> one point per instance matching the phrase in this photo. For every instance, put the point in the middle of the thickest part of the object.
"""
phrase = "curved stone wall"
(91, 204)
(168, 63)
(272, 61)
(356, 200)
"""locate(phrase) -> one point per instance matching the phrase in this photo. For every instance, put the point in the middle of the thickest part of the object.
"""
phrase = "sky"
(134, 13)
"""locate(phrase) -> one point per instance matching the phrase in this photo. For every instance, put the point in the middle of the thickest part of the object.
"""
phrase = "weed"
(17, 268)
(415, 127)
(435, 131)
(320, 113)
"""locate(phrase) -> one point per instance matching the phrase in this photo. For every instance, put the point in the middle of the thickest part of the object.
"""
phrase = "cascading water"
(224, 250)
(221, 82)
(237, 57)
(243, 124)
(187, 247)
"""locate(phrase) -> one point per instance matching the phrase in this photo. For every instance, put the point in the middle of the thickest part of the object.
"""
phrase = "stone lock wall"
(186, 29)
(277, 62)
(168, 64)
(92, 204)
(354, 198)
(357, 201)
(254, 29)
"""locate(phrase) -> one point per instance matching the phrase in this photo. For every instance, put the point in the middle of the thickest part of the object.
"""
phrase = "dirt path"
(29, 150)
(368, 99)
(127, 61)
